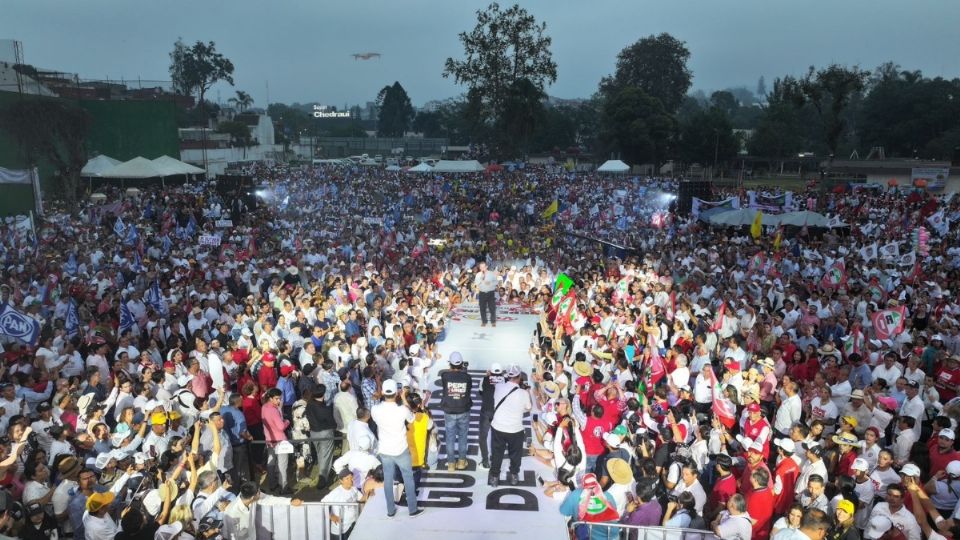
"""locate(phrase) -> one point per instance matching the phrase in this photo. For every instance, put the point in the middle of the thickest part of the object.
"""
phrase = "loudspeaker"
(690, 189)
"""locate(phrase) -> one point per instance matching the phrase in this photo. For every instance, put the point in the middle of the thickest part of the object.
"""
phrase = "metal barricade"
(309, 521)
(616, 531)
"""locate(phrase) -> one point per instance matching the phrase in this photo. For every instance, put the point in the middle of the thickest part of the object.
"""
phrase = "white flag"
(834, 222)
(908, 259)
(890, 251)
(939, 222)
(869, 253)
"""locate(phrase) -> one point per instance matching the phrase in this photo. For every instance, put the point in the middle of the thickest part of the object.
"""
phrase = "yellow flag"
(777, 239)
(552, 209)
(756, 228)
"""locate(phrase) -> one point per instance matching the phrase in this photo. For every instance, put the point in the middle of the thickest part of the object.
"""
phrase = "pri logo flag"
(889, 322)
(568, 303)
(722, 407)
(18, 326)
(556, 299)
(835, 277)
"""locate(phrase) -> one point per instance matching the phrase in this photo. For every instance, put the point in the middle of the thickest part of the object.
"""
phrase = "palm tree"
(242, 102)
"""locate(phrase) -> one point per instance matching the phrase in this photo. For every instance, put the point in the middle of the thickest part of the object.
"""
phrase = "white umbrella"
(742, 216)
(804, 218)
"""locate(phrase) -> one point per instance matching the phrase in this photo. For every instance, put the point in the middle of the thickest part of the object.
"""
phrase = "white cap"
(860, 464)
(878, 526)
(456, 359)
(786, 444)
(947, 433)
(514, 371)
(415, 349)
(389, 387)
(496, 368)
(953, 468)
(910, 470)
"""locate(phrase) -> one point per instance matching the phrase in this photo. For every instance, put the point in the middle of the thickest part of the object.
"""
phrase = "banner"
(16, 176)
(19, 326)
(209, 240)
(224, 223)
(889, 322)
(835, 277)
(372, 221)
(732, 203)
(935, 177)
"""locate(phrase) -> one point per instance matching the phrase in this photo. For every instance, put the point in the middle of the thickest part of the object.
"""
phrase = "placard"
(372, 221)
(224, 223)
(209, 240)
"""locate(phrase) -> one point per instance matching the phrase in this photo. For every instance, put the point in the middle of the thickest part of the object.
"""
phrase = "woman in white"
(567, 467)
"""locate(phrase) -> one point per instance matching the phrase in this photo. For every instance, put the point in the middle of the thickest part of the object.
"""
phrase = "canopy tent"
(808, 219)
(614, 166)
(393, 168)
(450, 166)
(742, 216)
(173, 166)
(138, 167)
(421, 168)
(96, 166)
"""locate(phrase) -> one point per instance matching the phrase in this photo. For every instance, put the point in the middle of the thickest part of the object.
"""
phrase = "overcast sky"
(302, 48)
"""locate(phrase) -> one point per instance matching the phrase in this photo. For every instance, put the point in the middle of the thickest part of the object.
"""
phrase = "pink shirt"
(273, 424)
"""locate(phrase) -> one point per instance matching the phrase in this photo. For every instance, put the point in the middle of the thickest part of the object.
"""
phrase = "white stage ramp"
(460, 505)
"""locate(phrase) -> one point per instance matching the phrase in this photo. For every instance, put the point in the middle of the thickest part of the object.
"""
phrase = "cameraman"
(512, 401)
(490, 381)
(456, 403)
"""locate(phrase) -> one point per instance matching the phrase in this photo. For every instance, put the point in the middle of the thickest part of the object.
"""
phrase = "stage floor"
(460, 505)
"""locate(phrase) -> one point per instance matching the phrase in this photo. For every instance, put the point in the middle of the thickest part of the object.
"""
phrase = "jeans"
(513, 444)
(456, 426)
(485, 418)
(241, 464)
(324, 451)
(390, 466)
(488, 306)
(276, 469)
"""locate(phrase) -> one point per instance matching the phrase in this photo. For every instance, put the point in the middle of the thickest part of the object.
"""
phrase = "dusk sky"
(303, 47)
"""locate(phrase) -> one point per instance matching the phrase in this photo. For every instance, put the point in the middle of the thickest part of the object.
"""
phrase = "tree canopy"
(658, 66)
(396, 111)
(196, 68)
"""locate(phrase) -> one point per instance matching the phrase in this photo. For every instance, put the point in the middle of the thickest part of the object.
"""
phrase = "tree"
(523, 111)
(636, 125)
(724, 101)
(242, 101)
(504, 48)
(761, 88)
(830, 90)
(239, 132)
(54, 131)
(396, 111)
(655, 64)
(707, 137)
(195, 69)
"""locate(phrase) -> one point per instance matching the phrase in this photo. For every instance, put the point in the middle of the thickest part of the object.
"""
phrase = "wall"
(219, 158)
(126, 129)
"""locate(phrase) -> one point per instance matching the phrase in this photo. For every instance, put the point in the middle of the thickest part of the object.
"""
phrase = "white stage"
(460, 505)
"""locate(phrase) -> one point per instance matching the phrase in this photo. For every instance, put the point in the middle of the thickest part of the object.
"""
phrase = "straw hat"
(583, 369)
(619, 471)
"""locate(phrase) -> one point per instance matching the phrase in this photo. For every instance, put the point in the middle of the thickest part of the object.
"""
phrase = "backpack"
(573, 455)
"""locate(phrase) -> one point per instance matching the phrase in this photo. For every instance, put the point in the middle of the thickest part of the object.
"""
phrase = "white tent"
(806, 218)
(138, 167)
(173, 166)
(742, 216)
(421, 168)
(614, 166)
(451, 166)
(97, 165)
(392, 168)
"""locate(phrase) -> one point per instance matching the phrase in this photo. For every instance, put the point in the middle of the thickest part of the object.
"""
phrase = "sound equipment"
(689, 189)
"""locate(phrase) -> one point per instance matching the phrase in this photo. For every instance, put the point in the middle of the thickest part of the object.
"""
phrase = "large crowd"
(192, 340)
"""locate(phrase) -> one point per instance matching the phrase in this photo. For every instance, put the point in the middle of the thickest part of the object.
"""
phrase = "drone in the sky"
(365, 56)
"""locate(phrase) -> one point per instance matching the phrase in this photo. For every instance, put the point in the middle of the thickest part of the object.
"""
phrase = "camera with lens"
(33, 441)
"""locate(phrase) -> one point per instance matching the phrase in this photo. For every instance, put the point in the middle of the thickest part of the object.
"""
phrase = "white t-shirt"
(347, 514)
(391, 422)
(509, 417)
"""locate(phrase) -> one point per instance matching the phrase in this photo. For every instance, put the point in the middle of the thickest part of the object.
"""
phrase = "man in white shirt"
(360, 427)
(789, 411)
(97, 523)
(905, 440)
(511, 402)
(486, 282)
(343, 517)
(813, 465)
(237, 519)
(913, 405)
(391, 416)
(894, 509)
(889, 370)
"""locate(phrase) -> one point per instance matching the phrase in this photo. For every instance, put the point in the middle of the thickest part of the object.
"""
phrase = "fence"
(309, 521)
(617, 531)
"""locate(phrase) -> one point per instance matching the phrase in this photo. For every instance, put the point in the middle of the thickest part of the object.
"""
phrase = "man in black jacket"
(322, 425)
(456, 402)
(490, 382)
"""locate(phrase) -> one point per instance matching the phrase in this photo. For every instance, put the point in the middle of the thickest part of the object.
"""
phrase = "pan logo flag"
(18, 325)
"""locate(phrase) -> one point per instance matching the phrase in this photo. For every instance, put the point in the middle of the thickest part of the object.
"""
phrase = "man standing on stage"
(486, 282)
(456, 402)
(487, 388)
(512, 401)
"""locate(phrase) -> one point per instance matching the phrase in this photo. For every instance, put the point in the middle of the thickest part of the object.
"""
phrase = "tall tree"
(242, 100)
(396, 111)
(636, 125)
(505, 47)
(830, 91)
(708, 137)
(196, 69)
(655, 64)
(54, 131)
(523, 111)
(761, 88)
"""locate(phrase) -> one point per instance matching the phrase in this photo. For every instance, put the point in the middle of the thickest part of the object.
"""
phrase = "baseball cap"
(953, 468)
(389, 387)
(913, 383)
(947, 433)
(787, 444)
(496, 368)
(861, 464)
(910, 470)
(850, 420)
(847, 506)
(514, 371)
(97, 501)
(456, 359)
(753, 408)
(877, 527)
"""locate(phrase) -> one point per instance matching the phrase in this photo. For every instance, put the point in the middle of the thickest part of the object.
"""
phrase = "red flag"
(725, 410)
(673, 306)
(657, 369)
(252, 249)
(889, 322)
(718, 322)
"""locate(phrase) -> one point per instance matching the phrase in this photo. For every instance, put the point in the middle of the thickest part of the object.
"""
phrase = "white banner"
(209, 240)
(372, 221)
(224, 223)
(16, 176)
(936, 177)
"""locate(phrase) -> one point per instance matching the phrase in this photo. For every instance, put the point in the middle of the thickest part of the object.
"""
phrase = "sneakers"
(462, 464)
(483, 325)
(451, 466)
(493, 481)
(393, 514)
(484, 464)
(513, 479)
(494, 325)
(417, 513)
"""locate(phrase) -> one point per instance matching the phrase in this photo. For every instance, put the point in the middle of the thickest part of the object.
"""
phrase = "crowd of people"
(197, 348)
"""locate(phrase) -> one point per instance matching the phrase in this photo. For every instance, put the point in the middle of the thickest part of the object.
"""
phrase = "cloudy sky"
(302, 48)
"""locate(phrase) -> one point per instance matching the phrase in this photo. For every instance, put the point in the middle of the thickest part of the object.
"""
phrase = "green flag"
(563, 283)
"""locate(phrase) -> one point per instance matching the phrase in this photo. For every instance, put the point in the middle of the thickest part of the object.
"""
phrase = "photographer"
(456, 402)
(512, 402)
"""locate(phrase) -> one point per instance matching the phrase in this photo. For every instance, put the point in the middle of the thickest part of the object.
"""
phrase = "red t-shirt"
(760, 508)
(723, 489)
(951, 377)
(939, 462)
(593, 435)
(845, 463)
(787, 471)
